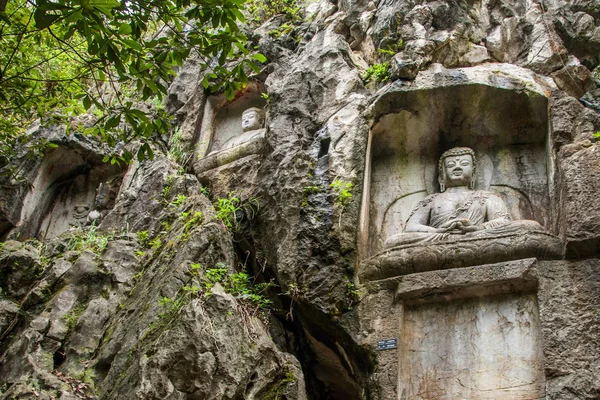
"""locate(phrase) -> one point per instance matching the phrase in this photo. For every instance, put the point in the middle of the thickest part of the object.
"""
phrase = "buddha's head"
(457, 167)
(252, 119)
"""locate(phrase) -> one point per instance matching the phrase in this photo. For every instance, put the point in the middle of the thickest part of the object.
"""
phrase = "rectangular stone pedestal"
(465, 333)
(471, 333)
(483, 348)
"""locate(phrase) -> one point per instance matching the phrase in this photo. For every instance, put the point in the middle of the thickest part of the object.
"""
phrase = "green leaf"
(125, 29)
(87, 102)
(259, 57)
(133, 44)
(253, 66)
(52, 6)
(112, 122)
(43, 19)
(74, 17)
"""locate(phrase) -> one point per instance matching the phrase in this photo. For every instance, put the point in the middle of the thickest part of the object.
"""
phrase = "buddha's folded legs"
(491, 231)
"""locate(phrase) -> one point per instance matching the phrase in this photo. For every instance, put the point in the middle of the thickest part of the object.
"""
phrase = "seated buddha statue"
(253, 120)
(459, 211)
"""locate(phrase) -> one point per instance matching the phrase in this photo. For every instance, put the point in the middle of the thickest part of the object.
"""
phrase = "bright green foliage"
(214, 275)
(177, 150)
(179, 200)
(353, 293)
(170, 309)
(195, 269)
(189, 222)
(596, 135)
(239, 285)
(391, 49)
(262, 10)
(311, 189)
(231, 208)
(196, 218)
(88, 240)
(377, 73)
(142, 237)
(59, 58)
(284, 29)
(155, 243)
(343, 189)
(204, 190)
(166, 191)
(227, 208)
(166, 226)
(279, 390)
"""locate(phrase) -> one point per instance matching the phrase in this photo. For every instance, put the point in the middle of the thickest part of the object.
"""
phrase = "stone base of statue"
(458, 253)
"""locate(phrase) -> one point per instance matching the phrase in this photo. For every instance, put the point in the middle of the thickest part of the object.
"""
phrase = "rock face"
(129, 315)
(259, 271)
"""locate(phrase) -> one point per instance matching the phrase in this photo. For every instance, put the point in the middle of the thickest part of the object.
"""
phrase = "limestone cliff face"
(140, 301)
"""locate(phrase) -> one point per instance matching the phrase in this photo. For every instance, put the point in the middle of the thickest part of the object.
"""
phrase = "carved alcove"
(506, 129)
(465, 311)
(69, 184)
(222, 139)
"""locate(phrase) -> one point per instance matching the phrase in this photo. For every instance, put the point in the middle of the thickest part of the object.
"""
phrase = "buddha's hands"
(459, 226)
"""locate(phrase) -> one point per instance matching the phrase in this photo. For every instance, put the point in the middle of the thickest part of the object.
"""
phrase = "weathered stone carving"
(253, 120)
(106, 193)
(464, 252)
(459, 227)
(458, 212)
(251, 141)
(80, 213)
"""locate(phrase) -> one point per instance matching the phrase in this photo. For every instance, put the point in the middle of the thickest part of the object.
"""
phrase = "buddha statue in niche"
(253, 120)
(459, 211)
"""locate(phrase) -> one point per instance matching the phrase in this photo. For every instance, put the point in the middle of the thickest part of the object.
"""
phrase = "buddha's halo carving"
(458, 211)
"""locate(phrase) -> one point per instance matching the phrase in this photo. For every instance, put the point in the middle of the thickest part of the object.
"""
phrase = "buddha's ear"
(442, 184)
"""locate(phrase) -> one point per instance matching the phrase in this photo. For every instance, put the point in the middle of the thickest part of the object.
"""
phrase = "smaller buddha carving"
(253, 120)
(103, 196)
(250, 142)
(459, 211)
(80, 213)
(106, 193)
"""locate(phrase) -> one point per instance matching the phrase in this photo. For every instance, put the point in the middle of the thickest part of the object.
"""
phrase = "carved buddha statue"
(459, 211)
(253, 120)
(250, 141)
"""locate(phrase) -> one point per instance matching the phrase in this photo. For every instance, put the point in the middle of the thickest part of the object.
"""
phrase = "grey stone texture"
(338, 170)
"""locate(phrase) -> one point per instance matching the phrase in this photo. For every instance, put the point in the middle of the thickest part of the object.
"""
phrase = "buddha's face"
(458, 170)
(250, 121)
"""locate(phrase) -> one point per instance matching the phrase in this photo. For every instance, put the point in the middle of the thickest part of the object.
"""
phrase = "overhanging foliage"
(115, 59)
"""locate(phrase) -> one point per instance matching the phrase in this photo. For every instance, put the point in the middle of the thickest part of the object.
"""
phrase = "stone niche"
(506, 129)
(72, 188)
(222, 140)
(464, 311)
(500, 114)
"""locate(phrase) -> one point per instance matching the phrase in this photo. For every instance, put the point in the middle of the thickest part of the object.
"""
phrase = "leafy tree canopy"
(61, 58)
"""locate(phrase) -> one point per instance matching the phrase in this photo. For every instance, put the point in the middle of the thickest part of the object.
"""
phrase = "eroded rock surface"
(136, 302)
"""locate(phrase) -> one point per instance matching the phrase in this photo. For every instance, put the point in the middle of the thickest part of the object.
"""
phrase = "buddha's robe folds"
(481, 208)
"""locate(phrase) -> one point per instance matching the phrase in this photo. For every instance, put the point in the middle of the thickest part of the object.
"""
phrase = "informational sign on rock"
(387, 344)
